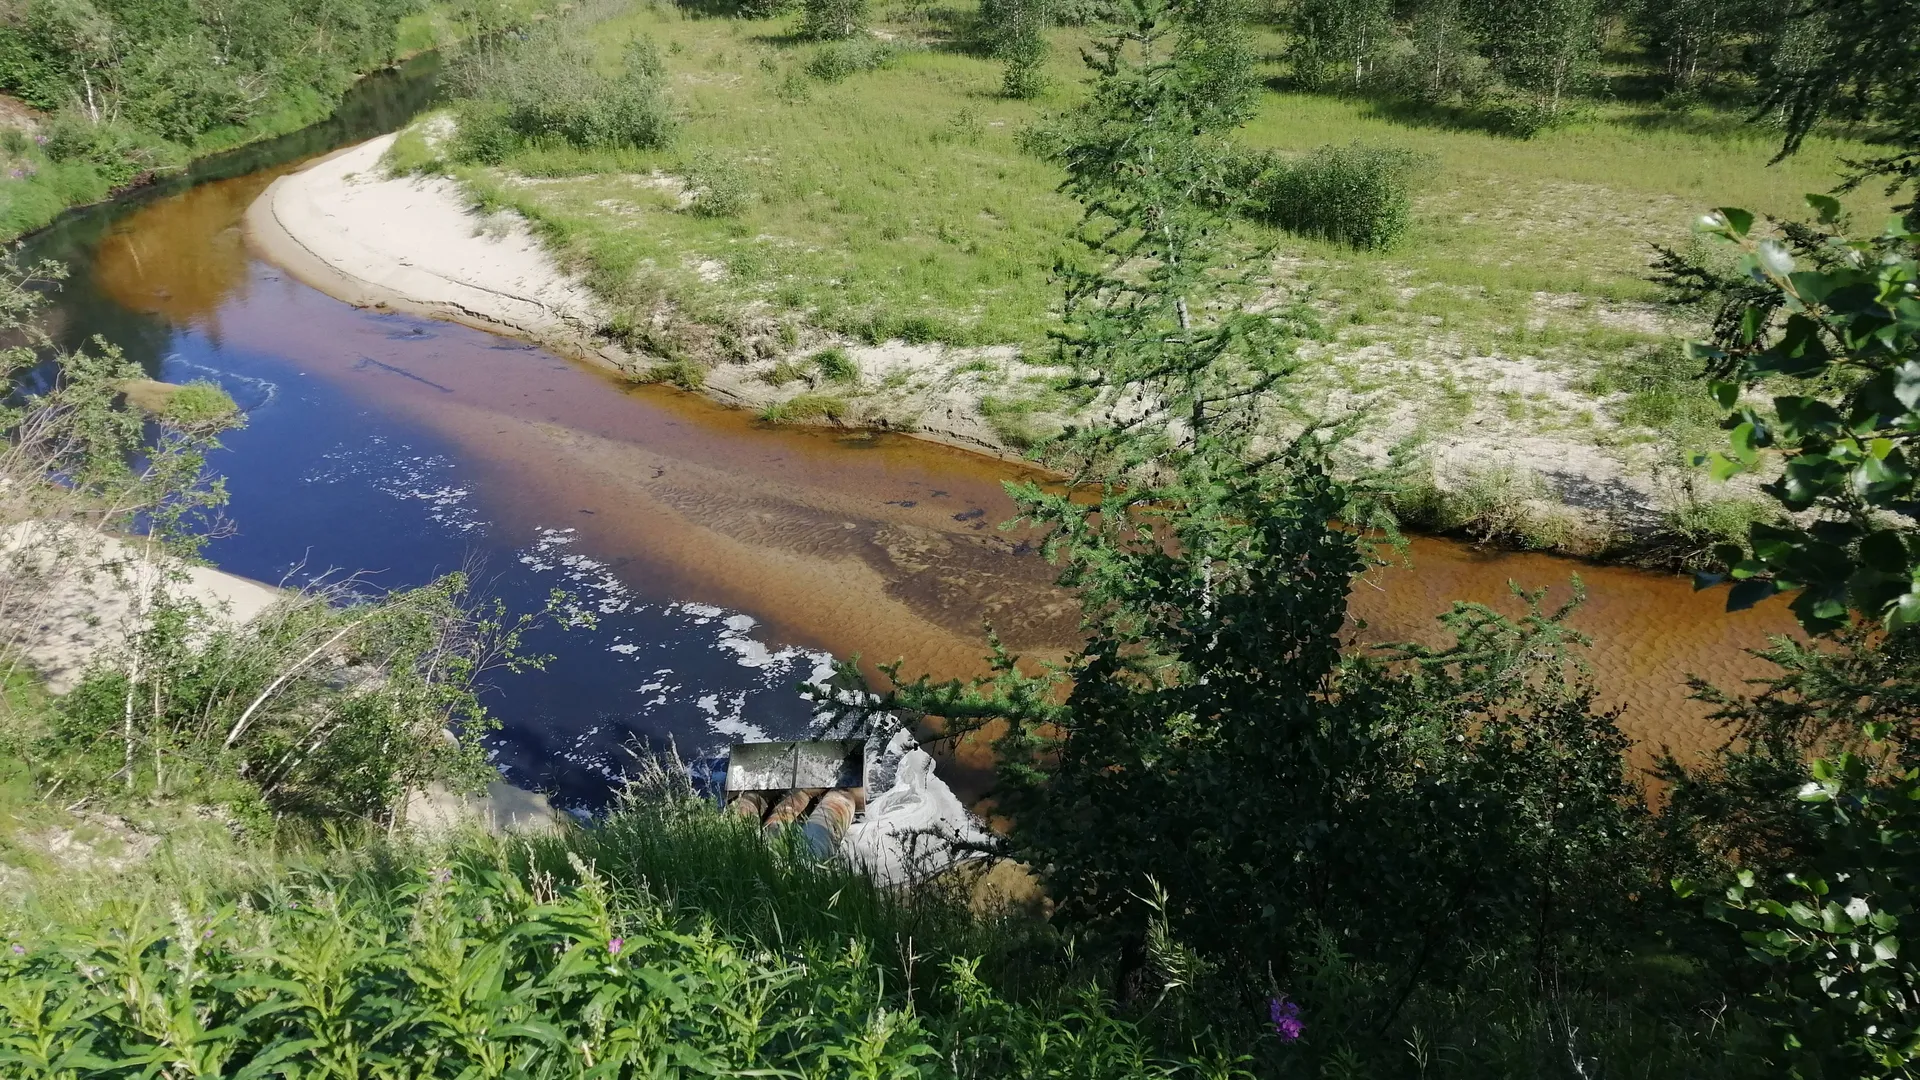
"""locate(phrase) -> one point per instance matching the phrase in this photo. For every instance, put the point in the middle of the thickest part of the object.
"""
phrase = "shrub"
(1355, 195)
(483, 135)
(834, 20)
(1014, 32)
(843, 59)
(684, 374)
(547, 88)
(783, 372)
(1522, 118)
(199, 405)
(807, 407)
(719, 187)
(119, 151)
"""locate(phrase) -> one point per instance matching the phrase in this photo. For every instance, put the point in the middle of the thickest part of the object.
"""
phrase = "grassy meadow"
(1513, 330)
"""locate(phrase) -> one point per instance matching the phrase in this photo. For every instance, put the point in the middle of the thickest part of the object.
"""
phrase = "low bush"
(118, 151)
(834, 20)
(682, 373)
(1522, 118)
(835, 365)
(1355, 195)
(547, 89)
(719, 187)
(804, 407)
(844, 59)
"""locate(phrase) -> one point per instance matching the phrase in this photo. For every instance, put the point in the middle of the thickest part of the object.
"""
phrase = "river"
(725, 560)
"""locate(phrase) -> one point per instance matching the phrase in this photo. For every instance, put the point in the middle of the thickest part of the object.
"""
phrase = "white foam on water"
(593, 581)
(264, 390)
(415, 479)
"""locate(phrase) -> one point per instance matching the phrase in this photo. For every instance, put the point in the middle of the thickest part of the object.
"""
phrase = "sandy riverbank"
(416, 244)
(77, 608)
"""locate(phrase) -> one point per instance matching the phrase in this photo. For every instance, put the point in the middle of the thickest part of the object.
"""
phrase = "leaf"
(1904, 612)
(1875, 479)
(1747, 593)
(1906, 384)
(1738, 222)
(1826, 206)
(1725, 392)
(1721, 467)
(1801, 417)
(1800, 352)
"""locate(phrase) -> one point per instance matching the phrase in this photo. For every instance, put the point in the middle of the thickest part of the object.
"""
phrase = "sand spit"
(417, 244)
(342, 226)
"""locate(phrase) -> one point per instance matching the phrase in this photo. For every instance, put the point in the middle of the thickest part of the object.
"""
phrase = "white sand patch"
(87, 591)
(416, 243)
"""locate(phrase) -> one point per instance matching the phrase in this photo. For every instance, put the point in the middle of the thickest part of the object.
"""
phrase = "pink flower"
(614, 946)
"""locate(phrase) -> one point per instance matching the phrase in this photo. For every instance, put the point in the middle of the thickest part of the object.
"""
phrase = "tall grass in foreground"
(669, 940)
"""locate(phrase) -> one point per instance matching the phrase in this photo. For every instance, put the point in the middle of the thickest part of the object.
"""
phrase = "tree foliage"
(834, 20)
(1212, 740)
(545, 86)
(1838, 341)
(1835, 941)
(180, 70)
(1015, 33)
(1861, 58)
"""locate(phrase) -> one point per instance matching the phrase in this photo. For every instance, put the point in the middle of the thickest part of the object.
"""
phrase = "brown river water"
(880, 546)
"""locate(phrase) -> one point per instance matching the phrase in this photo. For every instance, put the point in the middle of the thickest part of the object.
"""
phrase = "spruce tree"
(1017, 35)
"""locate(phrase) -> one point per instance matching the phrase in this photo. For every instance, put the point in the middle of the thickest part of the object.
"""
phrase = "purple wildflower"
(1286, 1018)
(614, 946)
(207, 935)
(19, 949)
(443, 875)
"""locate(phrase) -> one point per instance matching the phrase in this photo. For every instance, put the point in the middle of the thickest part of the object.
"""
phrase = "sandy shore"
(79, 610)
(415, 244)
(412, 244)
(76, 605)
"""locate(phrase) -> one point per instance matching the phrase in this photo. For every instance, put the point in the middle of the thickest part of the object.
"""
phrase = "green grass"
(890, 203)
(670, 940)
(899, 203)
(898, 198)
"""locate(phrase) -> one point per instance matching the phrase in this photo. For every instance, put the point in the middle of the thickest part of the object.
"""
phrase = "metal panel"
(782, 766)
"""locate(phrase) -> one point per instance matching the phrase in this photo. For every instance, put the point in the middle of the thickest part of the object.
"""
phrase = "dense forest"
(130, 88)
(1264, 850)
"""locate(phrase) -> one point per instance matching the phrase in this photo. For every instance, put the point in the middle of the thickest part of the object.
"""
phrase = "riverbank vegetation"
(1475, 238)
(106, 96)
